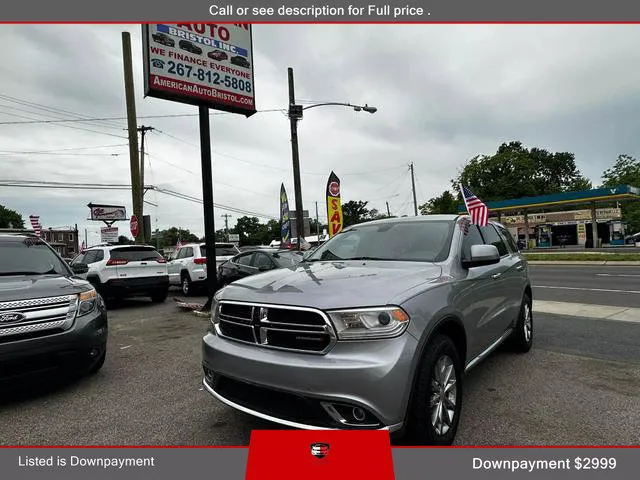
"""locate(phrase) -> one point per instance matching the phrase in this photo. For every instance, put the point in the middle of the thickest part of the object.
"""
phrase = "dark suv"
(49, 319)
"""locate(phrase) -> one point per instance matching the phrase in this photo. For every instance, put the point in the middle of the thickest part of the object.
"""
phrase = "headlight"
(369, 323)
(82, 303)
(215, 310)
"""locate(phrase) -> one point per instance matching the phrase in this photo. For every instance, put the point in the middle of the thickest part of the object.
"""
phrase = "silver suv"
(374, 330)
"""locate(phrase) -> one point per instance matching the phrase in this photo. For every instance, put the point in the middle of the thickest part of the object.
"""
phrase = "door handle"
(496, 276)
(520, 267)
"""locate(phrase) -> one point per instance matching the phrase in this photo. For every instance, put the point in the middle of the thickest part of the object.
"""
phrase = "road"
(580, 385)
(600, 284)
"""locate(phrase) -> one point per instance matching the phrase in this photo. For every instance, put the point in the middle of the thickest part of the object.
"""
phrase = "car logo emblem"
(12, 317)
(319, 450)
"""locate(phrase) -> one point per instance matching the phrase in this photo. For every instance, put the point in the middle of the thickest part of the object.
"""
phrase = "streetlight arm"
(366, 108)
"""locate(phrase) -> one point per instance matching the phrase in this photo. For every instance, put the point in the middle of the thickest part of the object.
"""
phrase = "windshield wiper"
(368, 258)
(25, 272)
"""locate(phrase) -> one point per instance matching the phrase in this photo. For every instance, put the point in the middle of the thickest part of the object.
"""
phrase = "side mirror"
(80, 268)
(482, 255)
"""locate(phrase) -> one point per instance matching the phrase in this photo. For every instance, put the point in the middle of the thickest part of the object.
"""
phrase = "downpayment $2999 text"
(214, 78)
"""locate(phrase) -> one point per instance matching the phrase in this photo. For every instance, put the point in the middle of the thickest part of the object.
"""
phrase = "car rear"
(140, 271)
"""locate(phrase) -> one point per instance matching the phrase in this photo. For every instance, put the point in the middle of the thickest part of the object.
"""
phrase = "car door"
(241, 266)
(477, 298)
(93, 259)
(515, 275)
(502, 276)
(173, 267)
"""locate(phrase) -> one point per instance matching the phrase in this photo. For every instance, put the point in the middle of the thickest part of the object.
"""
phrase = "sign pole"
(208, 209)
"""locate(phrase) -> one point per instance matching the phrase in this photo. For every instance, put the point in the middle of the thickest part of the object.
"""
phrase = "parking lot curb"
(600, 312)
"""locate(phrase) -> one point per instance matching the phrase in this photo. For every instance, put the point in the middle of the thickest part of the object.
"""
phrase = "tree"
(354, 212)
(515, 171)
(10, 218)
(122, 240)
(444, 204)
(626, 171)
(169, 237)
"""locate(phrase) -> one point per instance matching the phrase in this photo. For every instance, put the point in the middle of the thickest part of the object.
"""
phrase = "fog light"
(358, 414)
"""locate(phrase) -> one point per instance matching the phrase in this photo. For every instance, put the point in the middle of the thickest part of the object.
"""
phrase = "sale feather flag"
(285, 220)
(334, 207)
(477, 210)
(35, 224)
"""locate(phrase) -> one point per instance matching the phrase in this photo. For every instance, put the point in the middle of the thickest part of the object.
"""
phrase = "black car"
(189, 47)
(50, 320)
(255, 261)
(240, 61)
(163, 39)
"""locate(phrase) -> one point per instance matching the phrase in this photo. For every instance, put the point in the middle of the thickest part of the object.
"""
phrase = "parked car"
(240, 61)
(124, 271)
(163, 39)
(49, 319)
(633, 240)
(218, 55)
(189, 47)
(189, 265)
(374, 330)
(256, 261)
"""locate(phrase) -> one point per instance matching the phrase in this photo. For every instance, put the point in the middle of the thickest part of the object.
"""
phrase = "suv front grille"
(274, 326)
(42, 316)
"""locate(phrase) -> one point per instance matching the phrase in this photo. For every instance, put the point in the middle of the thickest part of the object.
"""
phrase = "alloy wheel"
(527, 323)
(443, 395)
(185, 286)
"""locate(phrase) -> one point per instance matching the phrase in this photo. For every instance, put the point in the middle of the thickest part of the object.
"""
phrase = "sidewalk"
(601, 312)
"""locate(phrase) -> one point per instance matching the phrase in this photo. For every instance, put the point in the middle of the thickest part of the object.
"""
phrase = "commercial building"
(64, 241)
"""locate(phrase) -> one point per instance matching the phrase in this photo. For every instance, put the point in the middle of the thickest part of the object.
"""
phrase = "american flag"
(478, 210)
(35, 224)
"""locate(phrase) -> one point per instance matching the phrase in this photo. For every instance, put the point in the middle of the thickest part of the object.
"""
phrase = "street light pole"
(297, 184)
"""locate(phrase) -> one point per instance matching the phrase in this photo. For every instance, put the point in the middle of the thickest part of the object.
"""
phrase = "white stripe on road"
(615, 275)
(587, 289)
(601, 312)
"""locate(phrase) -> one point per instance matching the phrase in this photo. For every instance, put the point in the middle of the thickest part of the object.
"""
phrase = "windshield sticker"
(31, 241)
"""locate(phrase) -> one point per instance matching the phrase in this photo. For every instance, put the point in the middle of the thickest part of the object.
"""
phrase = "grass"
(584, 257)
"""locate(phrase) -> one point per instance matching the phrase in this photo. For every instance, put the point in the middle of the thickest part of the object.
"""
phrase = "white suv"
(120, 271)
(188, 268)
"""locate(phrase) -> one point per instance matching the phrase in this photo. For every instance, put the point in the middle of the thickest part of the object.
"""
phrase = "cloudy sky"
(444, 93)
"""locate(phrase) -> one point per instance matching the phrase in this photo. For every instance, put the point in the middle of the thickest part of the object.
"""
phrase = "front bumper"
(75, 349)
(356, 385)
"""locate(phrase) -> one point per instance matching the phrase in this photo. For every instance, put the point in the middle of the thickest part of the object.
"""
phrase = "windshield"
(287, 259)
(221, 250)
(30, 256)
(135, 254)
(422, 241)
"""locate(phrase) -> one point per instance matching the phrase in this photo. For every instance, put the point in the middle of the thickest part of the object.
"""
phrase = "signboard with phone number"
(200, 64)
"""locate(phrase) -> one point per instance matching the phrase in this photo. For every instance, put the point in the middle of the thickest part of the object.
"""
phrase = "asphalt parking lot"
(580, 385)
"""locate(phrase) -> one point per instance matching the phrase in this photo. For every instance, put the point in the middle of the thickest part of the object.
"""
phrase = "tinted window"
(422, 241)
(244, 259)
(91, 257)
(491, 237)
(222, 250)
(471, 237)
(135, 254)
(287, 259)
(79, 259)
(513, 246)
(262, 260)
(29, 256)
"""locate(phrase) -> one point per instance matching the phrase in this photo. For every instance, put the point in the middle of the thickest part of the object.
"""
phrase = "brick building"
(64, 241)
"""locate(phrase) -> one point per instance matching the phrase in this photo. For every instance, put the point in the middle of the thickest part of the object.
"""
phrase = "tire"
(185, 284)
(431, 425)
(159, 297)
(522, 337)
(99, 364)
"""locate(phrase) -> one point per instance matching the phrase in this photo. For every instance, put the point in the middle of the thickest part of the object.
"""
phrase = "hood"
(334, 284)
(25, 287)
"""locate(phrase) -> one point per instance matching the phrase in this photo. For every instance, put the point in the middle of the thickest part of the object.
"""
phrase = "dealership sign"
(109, 234)
(107, 212)
(200, 64)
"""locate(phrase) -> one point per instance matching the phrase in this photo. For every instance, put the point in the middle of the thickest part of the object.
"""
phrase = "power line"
(37, 152)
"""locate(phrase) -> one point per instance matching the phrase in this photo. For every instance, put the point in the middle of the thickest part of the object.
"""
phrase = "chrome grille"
(275, 326)
(41, 315)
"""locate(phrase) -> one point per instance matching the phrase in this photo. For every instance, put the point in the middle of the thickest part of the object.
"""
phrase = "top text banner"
(296, 11)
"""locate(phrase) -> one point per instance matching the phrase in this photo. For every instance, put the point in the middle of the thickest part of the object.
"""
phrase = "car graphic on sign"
(217, 55)
(240, 61)
(157, 63)
(163, 39)
(190, 47)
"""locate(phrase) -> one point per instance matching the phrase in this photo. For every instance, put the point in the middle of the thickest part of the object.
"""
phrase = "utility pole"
(133, 134)
(388, 212)
(142, 131)
(295, 113)
(317, 223)
(226, 225)
(413, 187)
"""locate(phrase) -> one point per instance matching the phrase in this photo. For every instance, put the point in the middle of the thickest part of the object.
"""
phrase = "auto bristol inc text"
(319, 11)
